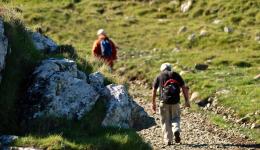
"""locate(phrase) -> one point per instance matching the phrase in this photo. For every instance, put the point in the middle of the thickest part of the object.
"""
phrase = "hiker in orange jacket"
(104, 48)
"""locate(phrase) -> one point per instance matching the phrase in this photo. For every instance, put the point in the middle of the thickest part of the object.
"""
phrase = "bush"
(19, 66)
(236, 19)
(243, 64)
(198, 13)
(161, 16)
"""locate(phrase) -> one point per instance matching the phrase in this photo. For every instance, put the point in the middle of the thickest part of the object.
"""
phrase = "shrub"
(243, 64)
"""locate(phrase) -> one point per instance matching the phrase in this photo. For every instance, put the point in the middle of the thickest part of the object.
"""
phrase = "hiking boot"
(177, 137)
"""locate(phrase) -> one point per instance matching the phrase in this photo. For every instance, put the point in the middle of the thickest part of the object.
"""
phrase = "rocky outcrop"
(122, 111)
(186, 6)
(60, 90)
(118, 104)
(43, 43)
(201, 66)
(3, 48)
(96, 80)
(7, 139)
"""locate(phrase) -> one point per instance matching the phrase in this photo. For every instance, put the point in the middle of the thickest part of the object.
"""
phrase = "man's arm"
(95, 51)
(154, 100)
(185, 91)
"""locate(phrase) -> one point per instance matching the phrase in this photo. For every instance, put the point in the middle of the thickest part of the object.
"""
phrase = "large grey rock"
(122, 111)
(118, 107)
(43, 43)
(96, 80)
(139, 118)
(58, 90)
(3, 47)
(185, 7)
(7, 139)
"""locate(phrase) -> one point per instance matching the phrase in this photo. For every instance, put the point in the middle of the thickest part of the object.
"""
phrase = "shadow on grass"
(87, 133)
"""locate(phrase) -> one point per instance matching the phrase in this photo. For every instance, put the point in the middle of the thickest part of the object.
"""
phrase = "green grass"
(147, 33)
(19, 66)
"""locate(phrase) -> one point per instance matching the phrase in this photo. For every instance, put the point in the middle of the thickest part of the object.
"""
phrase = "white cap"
(166, 66)
(101, 31)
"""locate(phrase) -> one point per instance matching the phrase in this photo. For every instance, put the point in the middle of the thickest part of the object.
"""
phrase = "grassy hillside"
(49, 133)
(147, 34)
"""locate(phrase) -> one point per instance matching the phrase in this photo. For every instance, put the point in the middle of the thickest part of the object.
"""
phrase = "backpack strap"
(170, 81)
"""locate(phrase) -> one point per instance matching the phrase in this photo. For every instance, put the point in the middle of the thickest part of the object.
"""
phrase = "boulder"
(122, 111)
(194, 96)
(176, 50)
(257, 77)
(96, 80)
(223, 92)
(3, 47)
(203, 33)
(201, 66)
(7, 139)
(182, 73)
(216, 21)
(185, 7)
(203, 103)
(182, 29)
(192, 37)
(228, 29)
(58, 89)
(255, 125)
(43, 43)
(139, 118)
(243, 120)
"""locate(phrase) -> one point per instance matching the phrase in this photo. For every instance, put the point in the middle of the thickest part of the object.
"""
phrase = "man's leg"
(166, 123)
(175, 114)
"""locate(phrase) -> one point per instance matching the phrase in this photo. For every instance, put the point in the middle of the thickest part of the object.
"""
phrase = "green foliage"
(19, 66)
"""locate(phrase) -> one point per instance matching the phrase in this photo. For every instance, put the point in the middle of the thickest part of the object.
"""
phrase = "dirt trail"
(197, 132)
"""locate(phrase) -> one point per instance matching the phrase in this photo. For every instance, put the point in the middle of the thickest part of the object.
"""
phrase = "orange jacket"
(96, 50)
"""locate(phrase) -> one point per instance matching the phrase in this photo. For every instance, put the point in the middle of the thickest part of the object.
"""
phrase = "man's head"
(101, 32)
(166, 67)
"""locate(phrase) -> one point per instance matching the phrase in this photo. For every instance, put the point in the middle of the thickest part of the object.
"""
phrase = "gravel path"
(197, 132)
